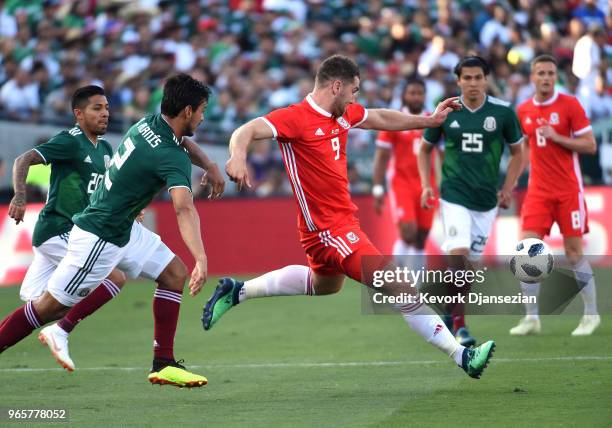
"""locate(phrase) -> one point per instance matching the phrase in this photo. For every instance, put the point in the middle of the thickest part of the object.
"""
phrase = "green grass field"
(308, 361)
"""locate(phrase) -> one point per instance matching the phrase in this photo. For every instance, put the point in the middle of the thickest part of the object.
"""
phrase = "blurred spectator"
(587, 64)
(258, 55)
(19, 97)
(57, 107)
(589, 14)
(437, 54)
(496, 28)
(8, 23)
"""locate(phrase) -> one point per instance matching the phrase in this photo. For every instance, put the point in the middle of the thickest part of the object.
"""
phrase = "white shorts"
(90, 259)
(46, 258)
(465, 228)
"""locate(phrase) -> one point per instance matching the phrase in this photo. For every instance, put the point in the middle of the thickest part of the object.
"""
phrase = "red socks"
(18, 325)
(166, 306)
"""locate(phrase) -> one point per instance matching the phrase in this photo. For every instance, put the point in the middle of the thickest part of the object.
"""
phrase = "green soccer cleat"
(475, 360)
(170, 372)
(224, 297)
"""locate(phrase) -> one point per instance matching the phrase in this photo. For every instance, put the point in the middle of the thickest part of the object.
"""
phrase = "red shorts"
(406, 207)
(539, 212)
(340, 250)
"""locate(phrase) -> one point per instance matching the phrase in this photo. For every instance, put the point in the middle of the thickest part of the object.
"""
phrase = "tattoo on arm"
(20, 172)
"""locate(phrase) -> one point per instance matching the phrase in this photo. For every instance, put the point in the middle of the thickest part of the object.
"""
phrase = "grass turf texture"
(307, 361)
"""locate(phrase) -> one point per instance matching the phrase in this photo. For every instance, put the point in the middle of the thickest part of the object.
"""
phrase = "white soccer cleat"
(527, 325)
(57, 341)
(588, 324)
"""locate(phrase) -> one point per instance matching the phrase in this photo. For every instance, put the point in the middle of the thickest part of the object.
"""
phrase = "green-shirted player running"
(104, 235)
(78, 159)
(474, 140)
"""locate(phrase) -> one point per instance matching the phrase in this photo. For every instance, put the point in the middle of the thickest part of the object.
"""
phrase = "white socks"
(531, 290)
(430, 327)
(584, 276)
(586, 280)
(408, 255)
(402, 252)
(289, 281)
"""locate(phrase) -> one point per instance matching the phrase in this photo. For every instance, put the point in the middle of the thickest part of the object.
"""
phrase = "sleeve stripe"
(583, 130)
(41, 155)
(365, 116)
(174, 187)
(520, 140)
(267, 122)
(428, 142)
(384, 144)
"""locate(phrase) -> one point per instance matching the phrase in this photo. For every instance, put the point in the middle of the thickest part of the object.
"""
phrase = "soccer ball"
(532, 262)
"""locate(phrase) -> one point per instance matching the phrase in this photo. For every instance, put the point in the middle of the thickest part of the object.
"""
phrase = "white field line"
(320, 364)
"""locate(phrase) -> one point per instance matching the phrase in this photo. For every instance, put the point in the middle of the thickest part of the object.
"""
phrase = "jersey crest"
(554, 118)
(343, 123)
(490, 124)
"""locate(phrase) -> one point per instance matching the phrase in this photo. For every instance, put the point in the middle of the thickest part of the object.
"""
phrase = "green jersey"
(77, 167)
(473, 145)
(149, 158)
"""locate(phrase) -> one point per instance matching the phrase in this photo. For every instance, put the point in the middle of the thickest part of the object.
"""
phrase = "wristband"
(378, 190)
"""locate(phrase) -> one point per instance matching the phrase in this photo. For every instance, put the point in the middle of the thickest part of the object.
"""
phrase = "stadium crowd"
(261, 54)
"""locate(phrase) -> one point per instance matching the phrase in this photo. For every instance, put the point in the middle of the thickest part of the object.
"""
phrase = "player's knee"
(573, 254)
(174, 276)
(327, 289)
(324, 286)
(49, 309)
(118, 278)
(408, 233)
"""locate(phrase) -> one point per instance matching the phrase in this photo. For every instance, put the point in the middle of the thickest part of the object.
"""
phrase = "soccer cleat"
(475, 360)
(171, 372)
(527, 325)
(224, 297)
(57, 341)
(464, 338)
(588, 324)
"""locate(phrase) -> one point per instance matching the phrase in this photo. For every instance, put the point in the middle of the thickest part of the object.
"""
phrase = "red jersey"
(403, 169)
(313, 145)
(555, 170)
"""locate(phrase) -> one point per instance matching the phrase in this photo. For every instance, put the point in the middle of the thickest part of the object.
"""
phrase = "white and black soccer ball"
(532, 261)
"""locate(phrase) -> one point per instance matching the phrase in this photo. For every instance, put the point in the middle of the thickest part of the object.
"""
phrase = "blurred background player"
(557, 131)
(312, 136)
(474, 139)
(398, 150)
(104, 235)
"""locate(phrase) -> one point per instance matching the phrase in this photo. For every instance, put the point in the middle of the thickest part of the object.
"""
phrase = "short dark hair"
(81, 96)
(543, 58)
(414, 80)
(337, 67)
(472, 61)
(181, 91)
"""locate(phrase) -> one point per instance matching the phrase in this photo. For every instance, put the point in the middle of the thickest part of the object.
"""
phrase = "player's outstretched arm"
(424, 163)
(392, 120)
(515, 169)
(21, 166)
(236, 166)
(212, 173)
(189, 226)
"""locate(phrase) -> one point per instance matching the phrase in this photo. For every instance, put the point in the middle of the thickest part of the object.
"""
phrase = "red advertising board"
(245, 236)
